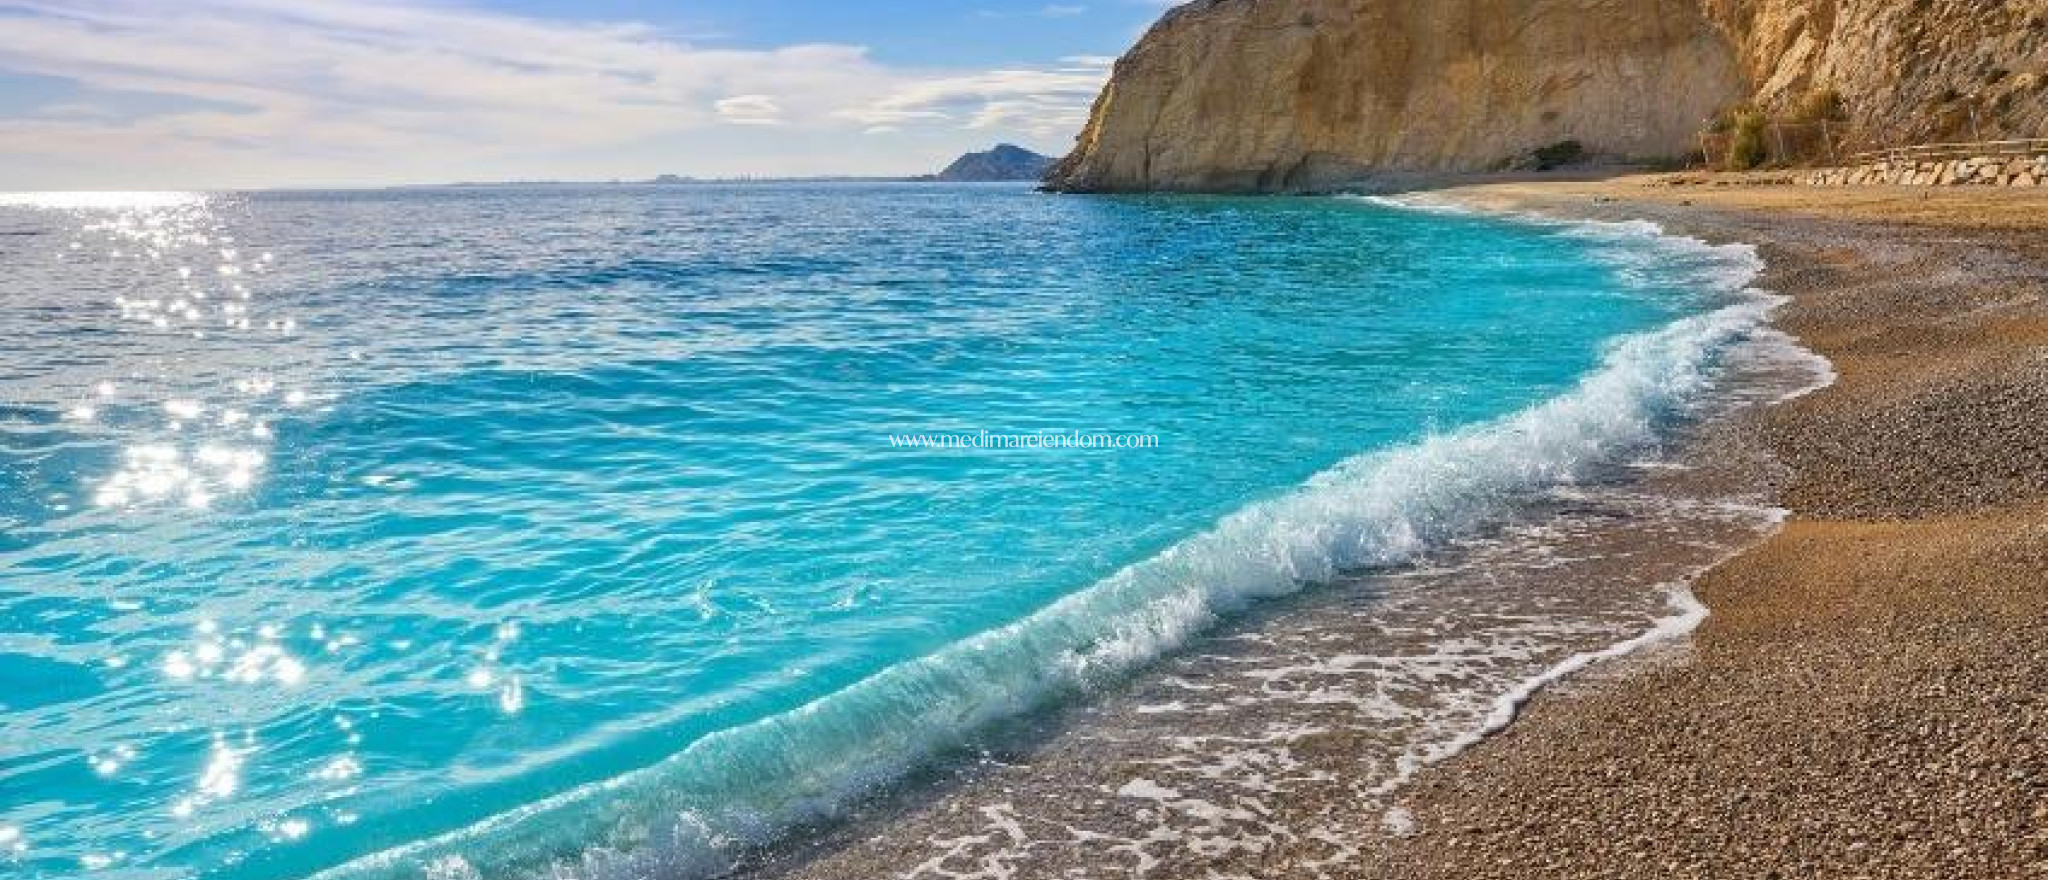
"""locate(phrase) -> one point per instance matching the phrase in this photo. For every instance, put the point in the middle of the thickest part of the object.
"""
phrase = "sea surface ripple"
(559, 531)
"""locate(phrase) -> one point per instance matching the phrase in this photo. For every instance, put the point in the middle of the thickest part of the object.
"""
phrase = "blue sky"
(177, 94)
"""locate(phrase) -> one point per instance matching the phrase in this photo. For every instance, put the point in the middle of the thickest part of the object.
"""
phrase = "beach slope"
(1865, 701)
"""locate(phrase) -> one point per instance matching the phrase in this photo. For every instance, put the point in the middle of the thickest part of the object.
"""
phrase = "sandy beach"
(1861, 703)
(1865, 700)
(1183, 440)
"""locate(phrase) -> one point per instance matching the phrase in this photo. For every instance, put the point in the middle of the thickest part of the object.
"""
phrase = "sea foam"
(695, 812)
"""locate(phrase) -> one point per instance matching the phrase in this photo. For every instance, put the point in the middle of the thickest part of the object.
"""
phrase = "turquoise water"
(501, 531)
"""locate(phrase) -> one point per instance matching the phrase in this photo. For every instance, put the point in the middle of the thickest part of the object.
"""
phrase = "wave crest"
(694, 813)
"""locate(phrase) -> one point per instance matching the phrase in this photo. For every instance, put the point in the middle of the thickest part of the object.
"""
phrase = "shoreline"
(1860, 703)
(1865, 665)
(1628, 542)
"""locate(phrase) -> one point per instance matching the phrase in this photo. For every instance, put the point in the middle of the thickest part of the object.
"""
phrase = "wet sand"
(1870, 697)
(1866, 700)
(1275, 746)
(1863, 701)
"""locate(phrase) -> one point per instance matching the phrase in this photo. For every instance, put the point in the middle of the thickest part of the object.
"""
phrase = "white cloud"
(1039, 102)
(74, 110)
(750, 110)
(268, 91)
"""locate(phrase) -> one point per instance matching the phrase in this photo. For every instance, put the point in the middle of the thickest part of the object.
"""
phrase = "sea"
(632, 532)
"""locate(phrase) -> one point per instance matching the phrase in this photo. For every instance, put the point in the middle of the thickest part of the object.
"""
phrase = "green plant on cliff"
(1822, 105)
(1746, 149)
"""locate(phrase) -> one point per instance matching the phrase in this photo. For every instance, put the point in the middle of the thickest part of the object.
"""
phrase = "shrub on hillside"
(1746, 148)
(1822, 105)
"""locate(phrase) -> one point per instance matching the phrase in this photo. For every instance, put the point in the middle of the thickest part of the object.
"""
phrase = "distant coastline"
(664, 180)
(1003, 163)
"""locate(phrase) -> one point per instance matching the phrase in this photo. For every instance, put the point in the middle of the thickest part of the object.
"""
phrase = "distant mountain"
(1005, 162)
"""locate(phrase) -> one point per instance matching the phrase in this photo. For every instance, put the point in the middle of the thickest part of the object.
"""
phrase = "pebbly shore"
(1866, 700)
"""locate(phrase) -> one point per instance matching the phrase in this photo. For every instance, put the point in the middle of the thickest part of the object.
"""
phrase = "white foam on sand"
(1766, 350)
(691, 814)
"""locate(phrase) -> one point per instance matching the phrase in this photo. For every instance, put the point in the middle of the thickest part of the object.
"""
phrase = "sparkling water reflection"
(334, 522)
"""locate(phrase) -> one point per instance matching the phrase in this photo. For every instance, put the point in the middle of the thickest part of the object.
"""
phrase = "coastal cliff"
(1301, 95)
(1904, 71)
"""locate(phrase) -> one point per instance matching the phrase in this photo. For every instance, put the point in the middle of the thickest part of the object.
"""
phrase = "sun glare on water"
(68, 201)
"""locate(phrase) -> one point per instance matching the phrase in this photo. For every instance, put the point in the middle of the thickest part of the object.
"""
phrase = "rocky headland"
(1005, 162)
(1307, 95)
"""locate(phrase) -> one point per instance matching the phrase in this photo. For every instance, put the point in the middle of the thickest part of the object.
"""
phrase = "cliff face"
(1288, 95)
(1264, 95)
(1907, 71)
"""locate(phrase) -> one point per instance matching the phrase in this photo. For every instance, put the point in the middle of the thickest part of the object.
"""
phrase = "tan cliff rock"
(1907, 71)
(1301, 95)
